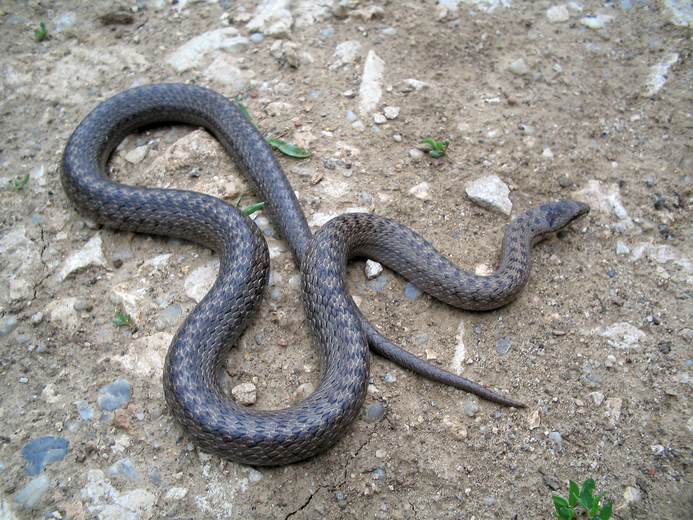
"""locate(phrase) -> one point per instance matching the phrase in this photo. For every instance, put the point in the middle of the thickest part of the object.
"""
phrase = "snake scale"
(191, 373)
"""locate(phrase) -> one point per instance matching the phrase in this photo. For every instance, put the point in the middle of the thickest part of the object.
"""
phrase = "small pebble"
(518, 67)
(471, 409)
(556, 438)
(374, 413)
(114, 395)
(172, 314)
(381, 454)
(504, 346)
(256, 38)
(390, 378)
(416, 154)
(245, 394)
(373, 269)
(124, 468)
(411, 291)
(33, 492)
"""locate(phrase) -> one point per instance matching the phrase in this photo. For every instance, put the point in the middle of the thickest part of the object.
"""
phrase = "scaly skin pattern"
(191, 373)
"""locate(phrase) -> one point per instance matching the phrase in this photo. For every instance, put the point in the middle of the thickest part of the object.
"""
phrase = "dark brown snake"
(191, 373)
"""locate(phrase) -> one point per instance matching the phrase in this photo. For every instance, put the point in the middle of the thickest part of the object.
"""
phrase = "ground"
(598, 345)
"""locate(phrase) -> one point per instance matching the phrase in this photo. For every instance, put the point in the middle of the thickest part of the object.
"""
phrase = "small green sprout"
(253, 208)
(439, 149)
(288, 149)
(122, 319)
(249, 210)
(41, 33)
(565, 509)
(242, 108)
(18, 185)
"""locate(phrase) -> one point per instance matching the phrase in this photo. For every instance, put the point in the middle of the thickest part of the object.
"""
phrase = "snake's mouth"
(583, 209)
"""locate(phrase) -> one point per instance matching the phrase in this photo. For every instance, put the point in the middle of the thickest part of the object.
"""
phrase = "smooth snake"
(191, 374)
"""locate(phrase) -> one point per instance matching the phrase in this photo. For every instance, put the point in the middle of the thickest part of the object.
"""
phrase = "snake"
(193, 388)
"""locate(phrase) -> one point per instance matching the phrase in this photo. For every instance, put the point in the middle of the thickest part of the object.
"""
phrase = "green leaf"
(595, 506)
(574, 494)
(605, 513)
(41, 33)
(288, 149)
(18, 185)
(586, 498)
(435, 153)
(431, 142)
(563, 512)
(253, 208)
(122, 319)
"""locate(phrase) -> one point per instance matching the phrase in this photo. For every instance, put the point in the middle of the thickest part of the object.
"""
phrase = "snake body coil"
(191, 382)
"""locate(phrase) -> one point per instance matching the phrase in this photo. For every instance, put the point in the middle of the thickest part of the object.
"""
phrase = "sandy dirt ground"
(599, 344)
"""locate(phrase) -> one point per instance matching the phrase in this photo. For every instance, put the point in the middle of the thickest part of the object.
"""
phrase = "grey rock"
(374, 413)
(42, 451)
(33, 492)
(114, 395)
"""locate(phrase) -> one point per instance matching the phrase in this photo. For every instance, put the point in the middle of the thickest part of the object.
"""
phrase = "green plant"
(122, 319)
(18, 185)
(249, 210)
(288, 149)
(439, 149)
(41, 33)
(565, 509)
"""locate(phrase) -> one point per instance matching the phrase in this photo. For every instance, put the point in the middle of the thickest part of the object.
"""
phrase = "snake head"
(559, 214)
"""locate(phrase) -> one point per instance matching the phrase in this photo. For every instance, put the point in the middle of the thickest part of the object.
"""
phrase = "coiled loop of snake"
(192, 389)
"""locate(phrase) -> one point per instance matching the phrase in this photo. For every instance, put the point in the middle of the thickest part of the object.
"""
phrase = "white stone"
(345, 52)
(414, 153)
(373, 269)
(597, 397)
(490, 193)
(145, 356)
(272, 18)
(420, 191)
(20, 289)
(596, 22)
(176, 493)
(151, 266)
(63, 312)
(91, 254)
(245, 394)
(416, 84)
(605, 199)
(371, 83)
(207, 45)
(200, 281)
(534, 420)
(613, 410)
(223, 71)
(302, 392)
(659, 73)
(624, 335)
(558, 14)
(379, 119)
(457, 364)
(391, 112)
(137, 155)
(518, 67)
(19, 254)
(632, 495)
(547, 153)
